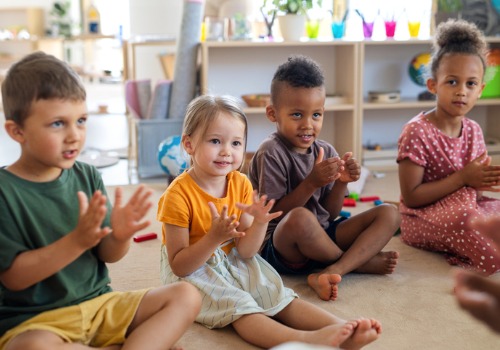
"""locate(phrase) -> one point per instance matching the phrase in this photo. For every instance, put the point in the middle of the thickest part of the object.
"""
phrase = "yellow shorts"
(99, 322)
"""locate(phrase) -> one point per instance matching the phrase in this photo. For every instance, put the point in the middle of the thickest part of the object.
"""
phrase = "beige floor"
(415, 304)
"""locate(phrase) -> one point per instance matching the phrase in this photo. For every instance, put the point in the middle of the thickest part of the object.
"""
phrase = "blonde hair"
(203, 110)
(458, 37)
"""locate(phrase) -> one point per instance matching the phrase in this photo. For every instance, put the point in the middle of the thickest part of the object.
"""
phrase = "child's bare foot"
(367, 331)
(383, 263)
(332, 335)
(325, 284)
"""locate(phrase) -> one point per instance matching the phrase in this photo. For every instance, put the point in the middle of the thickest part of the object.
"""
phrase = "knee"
(187, 295)
(299, 221)
(390, 214)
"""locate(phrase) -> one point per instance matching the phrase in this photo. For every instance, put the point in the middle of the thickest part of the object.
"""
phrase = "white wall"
(24, 3)
(153, 17)
(162, 17)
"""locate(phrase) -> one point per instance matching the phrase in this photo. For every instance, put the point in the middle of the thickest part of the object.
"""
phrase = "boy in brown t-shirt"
(308, 180)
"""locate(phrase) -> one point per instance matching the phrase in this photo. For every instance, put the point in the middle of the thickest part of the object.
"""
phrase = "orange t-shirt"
(185, 204)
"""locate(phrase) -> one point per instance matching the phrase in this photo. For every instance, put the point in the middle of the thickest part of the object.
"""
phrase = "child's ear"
(271, 113)
(187, 143)
(14, 131)
(482, 88)
(431, 85)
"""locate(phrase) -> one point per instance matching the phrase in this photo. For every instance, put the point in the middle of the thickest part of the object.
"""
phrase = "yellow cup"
(203, 32)
(414, 28)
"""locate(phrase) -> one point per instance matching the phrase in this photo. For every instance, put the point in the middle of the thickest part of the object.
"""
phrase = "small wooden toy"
(349, 202)
(145, 237)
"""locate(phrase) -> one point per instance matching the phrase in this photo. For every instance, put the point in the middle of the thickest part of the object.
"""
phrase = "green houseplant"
(61, 21)
(448, 9)
(449, 5)
(294, 6)
(292, 15)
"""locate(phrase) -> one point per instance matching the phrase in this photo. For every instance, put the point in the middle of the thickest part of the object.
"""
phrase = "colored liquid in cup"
(368, 29)
(312, 29)
(338, 30)
(390, 28)
(413, 28)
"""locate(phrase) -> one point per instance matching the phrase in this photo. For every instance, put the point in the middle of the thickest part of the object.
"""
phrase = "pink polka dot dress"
(444, 226)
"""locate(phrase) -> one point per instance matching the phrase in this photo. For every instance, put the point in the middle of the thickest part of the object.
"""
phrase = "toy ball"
(418, 68)
(171, 157)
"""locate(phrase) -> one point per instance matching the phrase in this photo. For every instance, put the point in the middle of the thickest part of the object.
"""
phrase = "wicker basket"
(257, 100)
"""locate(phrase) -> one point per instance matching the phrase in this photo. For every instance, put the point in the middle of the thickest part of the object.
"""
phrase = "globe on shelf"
(171, 157)
(418, 71)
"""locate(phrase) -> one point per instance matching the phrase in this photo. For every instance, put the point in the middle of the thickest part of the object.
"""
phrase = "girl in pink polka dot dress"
(443, 164)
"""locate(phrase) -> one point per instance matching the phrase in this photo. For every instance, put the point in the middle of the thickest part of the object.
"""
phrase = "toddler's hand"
(223, 226)
(352, 169)
(88, 232)
(127, 220)
(325, 171)
(259, 209)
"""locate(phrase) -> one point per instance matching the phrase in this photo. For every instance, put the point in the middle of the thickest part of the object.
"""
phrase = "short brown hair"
(38, 76)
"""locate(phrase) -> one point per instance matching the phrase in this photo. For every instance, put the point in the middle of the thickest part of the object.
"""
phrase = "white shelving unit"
(384, 67)
(352, 68)
(16, 19)
(243, 67)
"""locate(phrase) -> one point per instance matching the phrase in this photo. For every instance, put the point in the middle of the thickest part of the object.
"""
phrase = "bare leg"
(480, 296)
(384, 263)
(263, 331)
(362, 237)
(307, 323)
(163, 316)
(45, 340)
(298, 238)
(300, 314)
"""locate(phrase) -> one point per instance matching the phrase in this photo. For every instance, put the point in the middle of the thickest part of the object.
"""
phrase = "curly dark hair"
(458, 37)
(298, 71)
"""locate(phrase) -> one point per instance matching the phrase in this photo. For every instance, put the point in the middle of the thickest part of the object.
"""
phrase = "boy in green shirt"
(58, 230)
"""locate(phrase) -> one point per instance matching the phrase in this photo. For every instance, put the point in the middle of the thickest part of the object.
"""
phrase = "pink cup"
(390, 28)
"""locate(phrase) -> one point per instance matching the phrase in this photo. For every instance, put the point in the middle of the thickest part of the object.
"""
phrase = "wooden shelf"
(384, 66)
(242, 67)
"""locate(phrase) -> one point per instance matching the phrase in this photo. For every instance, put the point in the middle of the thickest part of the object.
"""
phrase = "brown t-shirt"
(276, 170)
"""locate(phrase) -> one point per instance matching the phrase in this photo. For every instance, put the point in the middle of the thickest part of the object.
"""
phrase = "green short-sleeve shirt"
(34, 215)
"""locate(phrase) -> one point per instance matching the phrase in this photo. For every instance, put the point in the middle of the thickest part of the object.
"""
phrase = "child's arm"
(125, 222)
(477, 174)
(253, 222)
(183, 258)
(350, 173)
(323, 172)
(33, 266)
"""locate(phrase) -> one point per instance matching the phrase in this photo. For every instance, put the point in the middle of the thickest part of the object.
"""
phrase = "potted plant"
(448, 9)
(292, 15)
(61, 21)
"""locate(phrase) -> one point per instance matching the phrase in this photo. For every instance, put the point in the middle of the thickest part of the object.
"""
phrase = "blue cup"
(338, 29)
